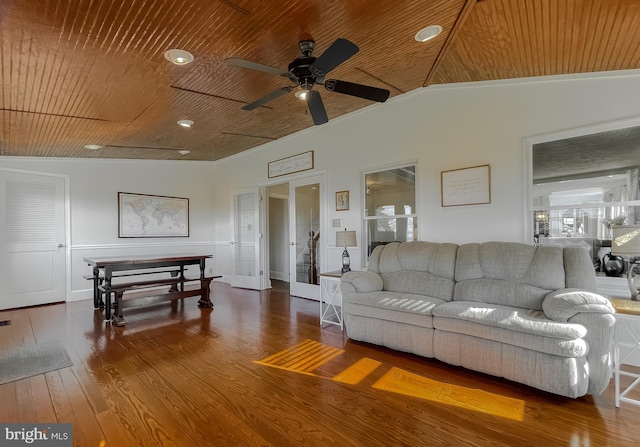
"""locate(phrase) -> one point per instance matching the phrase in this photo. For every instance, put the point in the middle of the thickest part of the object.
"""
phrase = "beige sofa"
(528, 314)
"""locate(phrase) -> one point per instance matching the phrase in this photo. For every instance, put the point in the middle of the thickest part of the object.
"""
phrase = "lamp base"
(633, 280)
(346, 261)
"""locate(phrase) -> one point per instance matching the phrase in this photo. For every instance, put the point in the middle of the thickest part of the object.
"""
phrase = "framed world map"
(144, 215)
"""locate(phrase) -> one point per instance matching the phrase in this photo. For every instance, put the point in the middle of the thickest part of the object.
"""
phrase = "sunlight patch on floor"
(399, 381)
(358, 371)
(309, 355)
(303, 357)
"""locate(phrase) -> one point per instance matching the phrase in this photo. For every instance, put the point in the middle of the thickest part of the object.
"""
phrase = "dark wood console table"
(106, 268)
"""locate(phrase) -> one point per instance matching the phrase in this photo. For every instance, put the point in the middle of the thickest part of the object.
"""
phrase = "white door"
(245, 246)
(305, 225)
(32, 239)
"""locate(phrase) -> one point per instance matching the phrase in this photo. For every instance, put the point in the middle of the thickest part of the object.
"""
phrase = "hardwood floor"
(177, 375)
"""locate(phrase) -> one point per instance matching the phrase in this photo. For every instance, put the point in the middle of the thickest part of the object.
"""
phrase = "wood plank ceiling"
(77, 72)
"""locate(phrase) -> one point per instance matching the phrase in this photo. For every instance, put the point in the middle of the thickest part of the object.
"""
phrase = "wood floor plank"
(183, 376)
(25, 401)
(86, 382)
(21, 330)
(43, 406)
(86, 429)
(117, 432)
(9, 408)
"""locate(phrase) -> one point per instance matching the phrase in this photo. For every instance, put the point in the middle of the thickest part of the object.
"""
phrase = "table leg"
(107, 305)
(118, 319)
(205, 290)
(616, 370)
(174, 287)
(96, 290)
(108, 272)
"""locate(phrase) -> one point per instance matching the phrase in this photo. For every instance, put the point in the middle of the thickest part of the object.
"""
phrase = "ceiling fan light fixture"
(178, 57)
(185, 123)
(302, 94)
(93, 147)
(428, 33)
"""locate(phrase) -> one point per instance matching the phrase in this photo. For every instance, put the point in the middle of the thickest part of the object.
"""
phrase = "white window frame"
(607, 285)
(529, 207)
(365, 219)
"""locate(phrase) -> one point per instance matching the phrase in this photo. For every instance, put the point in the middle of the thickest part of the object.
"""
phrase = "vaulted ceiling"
(78, 72)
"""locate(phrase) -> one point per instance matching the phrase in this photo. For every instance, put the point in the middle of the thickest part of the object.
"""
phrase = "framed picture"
(144, 215)
(342, 200)
(467, 186)
(289, 165)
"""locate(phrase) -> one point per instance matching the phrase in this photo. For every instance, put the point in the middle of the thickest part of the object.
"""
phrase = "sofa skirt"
(566, 376)
(399, 336)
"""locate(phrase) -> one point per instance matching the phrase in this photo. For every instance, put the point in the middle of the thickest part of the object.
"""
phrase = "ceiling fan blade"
(337, 53)
(359, 90)
(316, 107)
(267, 98)
(234, 61)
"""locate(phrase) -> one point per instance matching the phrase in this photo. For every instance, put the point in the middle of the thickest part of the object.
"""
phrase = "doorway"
(278, 218)
(295, 231)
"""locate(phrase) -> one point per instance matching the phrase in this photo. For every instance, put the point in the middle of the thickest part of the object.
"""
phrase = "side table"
(330, 298)
(627, 317)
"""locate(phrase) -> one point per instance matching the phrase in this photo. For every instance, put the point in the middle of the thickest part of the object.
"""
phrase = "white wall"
(442, 128)
(94, 187)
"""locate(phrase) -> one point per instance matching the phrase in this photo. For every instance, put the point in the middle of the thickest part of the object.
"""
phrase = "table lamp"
(625, 242)
(346, 239)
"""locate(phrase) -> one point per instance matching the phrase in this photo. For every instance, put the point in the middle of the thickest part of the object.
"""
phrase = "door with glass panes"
(307, 234)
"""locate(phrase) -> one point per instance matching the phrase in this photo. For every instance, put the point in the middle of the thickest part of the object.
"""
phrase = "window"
(390, 206)
(583, 181)
(584, 207)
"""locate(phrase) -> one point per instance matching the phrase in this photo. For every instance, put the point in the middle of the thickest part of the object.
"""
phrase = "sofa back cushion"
(518, 275)
(418, 267)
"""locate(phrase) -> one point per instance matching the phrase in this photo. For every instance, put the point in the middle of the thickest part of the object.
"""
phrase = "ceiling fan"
(306, 71)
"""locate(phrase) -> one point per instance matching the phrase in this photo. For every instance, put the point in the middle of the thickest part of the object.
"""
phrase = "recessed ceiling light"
(93, 147)
(185, 123)
(184, 152)
(428, 33)
(178, 57)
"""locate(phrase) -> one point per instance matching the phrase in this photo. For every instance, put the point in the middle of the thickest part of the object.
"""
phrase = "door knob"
(293, 243)
(60, 245)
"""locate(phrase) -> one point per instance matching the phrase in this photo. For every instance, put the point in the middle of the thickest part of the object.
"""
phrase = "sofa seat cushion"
(400, 307)
(527, 329)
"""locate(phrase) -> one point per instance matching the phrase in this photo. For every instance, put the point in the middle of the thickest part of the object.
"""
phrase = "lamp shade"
(625, 240)
(346, 239)
(541, 216)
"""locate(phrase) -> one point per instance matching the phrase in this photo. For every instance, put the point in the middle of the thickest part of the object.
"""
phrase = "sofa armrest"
(360, 282)
(562, 304)
(596, 314)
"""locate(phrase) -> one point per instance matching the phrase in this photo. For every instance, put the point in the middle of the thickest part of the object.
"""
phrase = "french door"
(245, 246)
(32, 239)
(307, 230)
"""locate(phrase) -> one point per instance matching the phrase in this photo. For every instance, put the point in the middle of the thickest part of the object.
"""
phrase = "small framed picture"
(342, 200)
